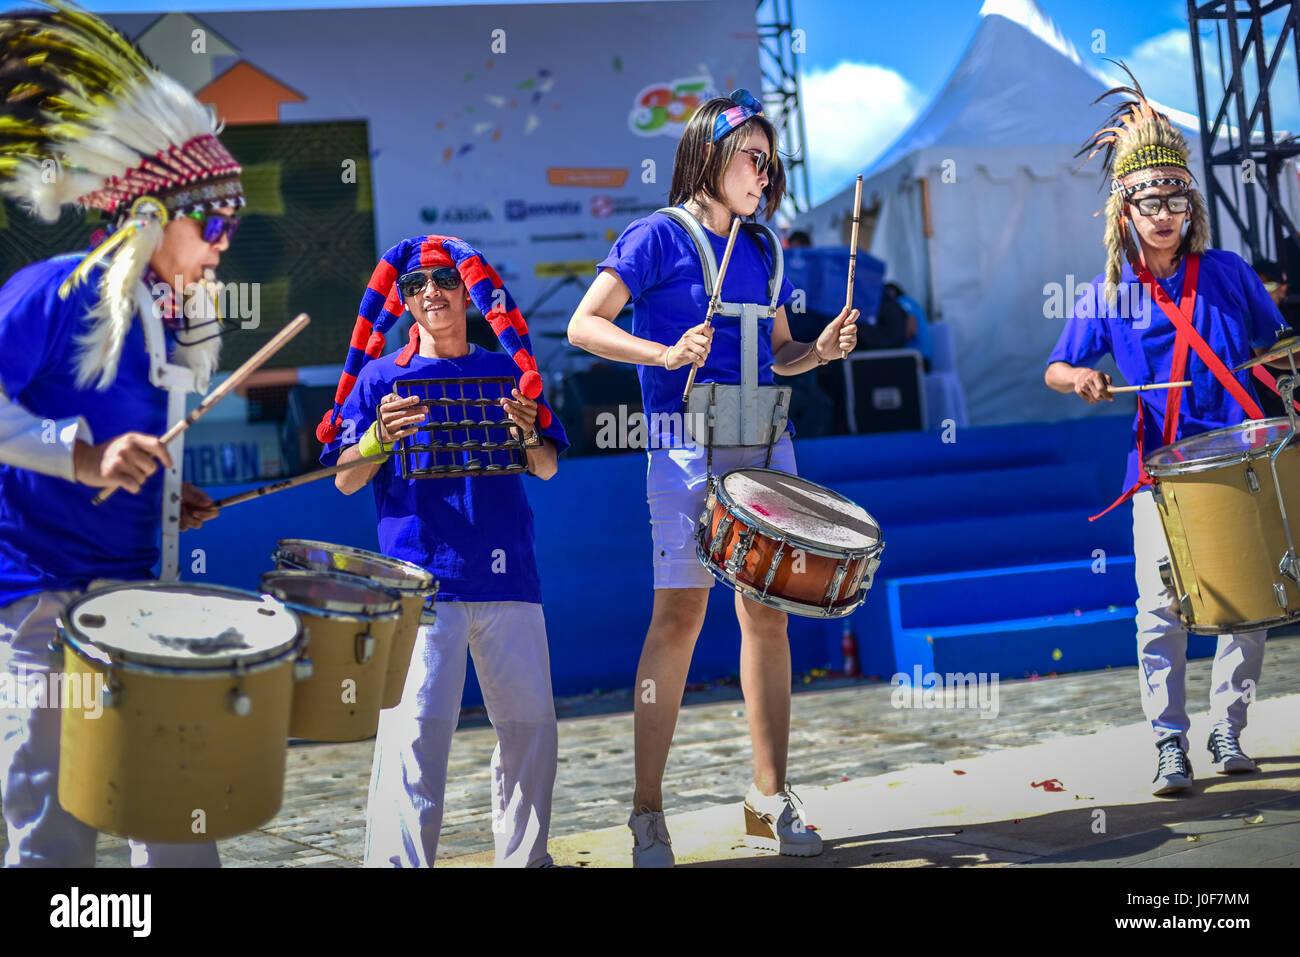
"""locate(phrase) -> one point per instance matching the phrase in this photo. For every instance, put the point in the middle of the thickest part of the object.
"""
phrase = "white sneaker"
(653, 847)
(1226, 756)
(778, 823)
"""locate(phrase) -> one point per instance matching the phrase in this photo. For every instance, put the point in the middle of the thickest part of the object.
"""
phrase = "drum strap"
(1181, 316)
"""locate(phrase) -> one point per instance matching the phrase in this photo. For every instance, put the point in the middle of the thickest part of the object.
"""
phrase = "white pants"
(40, 832)
(1162, 643)
(409, 778)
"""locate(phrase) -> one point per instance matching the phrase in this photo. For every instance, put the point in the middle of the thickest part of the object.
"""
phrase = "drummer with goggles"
(1168, 308)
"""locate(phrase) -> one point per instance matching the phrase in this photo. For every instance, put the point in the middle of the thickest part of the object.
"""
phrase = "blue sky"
(882, 61)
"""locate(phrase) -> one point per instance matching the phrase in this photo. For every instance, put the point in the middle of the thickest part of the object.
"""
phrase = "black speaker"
(590, 398)
(885, 391)
(813, 406)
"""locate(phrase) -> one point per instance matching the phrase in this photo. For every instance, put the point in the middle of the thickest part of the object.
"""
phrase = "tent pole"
(936, 309)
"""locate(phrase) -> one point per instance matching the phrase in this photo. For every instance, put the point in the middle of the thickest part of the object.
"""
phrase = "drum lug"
(303, 669)
(1156, 495)
(833, 589)
(1288, 567)
(777, 558)
(1279, 592)
(110, 693)
(720, 536)
(741, 550)
(1166, 568)
(365, 648)
(1252, 480)
(240, 703)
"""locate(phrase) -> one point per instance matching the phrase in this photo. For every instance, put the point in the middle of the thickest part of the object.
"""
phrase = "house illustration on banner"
(186, 49)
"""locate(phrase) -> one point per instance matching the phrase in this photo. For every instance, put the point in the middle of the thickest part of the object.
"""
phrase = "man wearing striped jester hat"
(1199, 312)
(96, 362)
(474, 532)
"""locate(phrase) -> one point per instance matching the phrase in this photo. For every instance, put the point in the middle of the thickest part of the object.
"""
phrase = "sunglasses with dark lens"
(1151, 205)
(215, 225)
(760, 159)
(413, 283)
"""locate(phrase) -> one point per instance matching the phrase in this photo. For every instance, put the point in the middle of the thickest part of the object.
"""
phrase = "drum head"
(1220, 447)
(380, 569)
(171, 625)
(794, 507)
(325, 591)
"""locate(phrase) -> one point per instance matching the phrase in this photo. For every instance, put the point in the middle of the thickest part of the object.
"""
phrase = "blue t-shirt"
(474, 533)
(51, 537)
(660, 266)
(1233, 314)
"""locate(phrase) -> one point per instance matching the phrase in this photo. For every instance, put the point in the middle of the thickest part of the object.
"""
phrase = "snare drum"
(415, 586)
(182, 730)
(1219, 507)
(348, 630)
(787, 542)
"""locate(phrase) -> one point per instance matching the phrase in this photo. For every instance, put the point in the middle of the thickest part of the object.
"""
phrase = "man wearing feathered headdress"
(1168, 308)
(474, 532)
(97, 354)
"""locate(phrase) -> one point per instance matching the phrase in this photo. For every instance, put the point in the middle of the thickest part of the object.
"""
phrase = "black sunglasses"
(1177, 204)
(215, 225)
(413, 283)
(760, 159)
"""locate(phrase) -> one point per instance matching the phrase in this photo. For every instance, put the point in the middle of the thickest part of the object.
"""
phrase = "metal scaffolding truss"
(1237, 119)
(778, 62)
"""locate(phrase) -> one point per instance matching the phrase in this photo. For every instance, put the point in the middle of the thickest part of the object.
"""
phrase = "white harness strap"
(178, 381)
(755, 408)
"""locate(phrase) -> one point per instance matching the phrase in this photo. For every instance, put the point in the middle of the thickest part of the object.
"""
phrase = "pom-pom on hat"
(382, 305)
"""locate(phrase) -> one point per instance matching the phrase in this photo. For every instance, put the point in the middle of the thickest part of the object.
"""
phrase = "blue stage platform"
(990, 562)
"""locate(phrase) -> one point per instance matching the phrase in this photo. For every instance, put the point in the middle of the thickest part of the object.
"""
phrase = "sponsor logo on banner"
(665, 108)
(517, 209)
(593, 178)
(605, 206)
(558, 270)
(562, 237)
(456, 214)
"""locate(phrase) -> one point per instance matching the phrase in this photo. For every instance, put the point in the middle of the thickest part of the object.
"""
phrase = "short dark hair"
(700, 163)
(798, 238)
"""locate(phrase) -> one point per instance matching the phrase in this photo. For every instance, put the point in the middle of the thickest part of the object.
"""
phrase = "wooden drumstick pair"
(1152, 385)
(714, 302)
(276, 343)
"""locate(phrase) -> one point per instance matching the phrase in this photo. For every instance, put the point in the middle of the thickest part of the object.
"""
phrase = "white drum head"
(329, 592)
(170, 625)
(796, 507)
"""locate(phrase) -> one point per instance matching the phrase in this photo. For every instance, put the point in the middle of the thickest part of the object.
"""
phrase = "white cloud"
(1163, 64)
(852, 113)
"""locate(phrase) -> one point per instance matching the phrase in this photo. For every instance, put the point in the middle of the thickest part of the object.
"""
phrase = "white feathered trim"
(100, 348)
(203, 357)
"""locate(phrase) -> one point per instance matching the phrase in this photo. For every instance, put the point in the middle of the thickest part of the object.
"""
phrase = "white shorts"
(676, 487)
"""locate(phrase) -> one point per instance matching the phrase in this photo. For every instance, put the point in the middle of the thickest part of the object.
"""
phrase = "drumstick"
(294, 482)
(714, 302)
(276, 343)
(853, 247)
(1153, 385)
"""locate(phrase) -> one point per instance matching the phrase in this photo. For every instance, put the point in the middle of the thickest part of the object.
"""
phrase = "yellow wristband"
(371, 446)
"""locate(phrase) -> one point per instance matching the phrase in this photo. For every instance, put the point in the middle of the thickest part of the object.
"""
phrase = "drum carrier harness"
(747, 415)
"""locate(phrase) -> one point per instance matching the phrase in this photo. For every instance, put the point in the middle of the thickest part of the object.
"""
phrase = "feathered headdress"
(86, 119)
(382, 305)
(1136, 138)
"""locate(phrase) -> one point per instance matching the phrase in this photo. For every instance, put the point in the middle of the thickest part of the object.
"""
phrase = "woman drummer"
(726, 166)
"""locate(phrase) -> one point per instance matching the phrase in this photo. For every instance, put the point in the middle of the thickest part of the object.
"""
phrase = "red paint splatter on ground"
(1051, 784)
(955, 771)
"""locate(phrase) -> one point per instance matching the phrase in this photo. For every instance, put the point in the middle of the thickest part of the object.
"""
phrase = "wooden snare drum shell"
(1225, 542)
(172, 746)
(320, 712)
(802, 580)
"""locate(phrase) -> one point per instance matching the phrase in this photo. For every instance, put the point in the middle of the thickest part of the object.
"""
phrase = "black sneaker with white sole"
(1174, 771)
(1226, 754)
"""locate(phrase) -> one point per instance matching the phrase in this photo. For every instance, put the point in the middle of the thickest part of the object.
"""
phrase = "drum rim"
(86, 648)
(391, 607)
(1224, 460)
(419, 580)
(808, 544)
(1237, 626)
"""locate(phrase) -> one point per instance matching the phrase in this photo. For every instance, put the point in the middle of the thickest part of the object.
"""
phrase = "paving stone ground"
(847, 739)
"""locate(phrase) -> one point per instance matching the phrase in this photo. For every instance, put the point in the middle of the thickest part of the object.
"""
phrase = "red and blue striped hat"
(382, 305)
